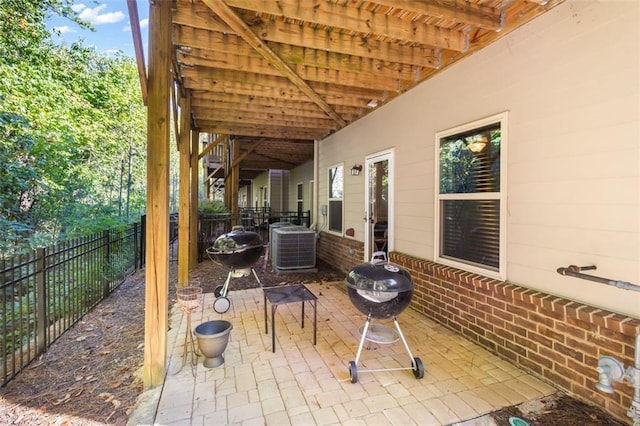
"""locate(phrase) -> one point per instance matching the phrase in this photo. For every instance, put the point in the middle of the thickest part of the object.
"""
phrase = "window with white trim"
(471, 197)
(335, 198)
(300, 199)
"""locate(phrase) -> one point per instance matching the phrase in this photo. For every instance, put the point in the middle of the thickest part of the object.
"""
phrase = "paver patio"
(304, 384)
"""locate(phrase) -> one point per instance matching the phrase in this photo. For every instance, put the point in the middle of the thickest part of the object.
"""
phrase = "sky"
(110, 18)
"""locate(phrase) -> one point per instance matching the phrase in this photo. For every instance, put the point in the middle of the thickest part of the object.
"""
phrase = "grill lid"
(379, 277)
(237, 241)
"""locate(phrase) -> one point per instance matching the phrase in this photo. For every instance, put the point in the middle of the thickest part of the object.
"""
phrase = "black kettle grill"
(239, 250)
(380, 289)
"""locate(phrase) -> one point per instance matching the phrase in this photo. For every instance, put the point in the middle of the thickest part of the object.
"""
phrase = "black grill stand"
(416, 364)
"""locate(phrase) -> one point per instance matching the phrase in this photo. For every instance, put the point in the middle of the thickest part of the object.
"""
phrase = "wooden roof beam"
(238, 25)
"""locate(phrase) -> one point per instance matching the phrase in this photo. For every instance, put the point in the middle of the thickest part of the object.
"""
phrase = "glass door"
(378, 204)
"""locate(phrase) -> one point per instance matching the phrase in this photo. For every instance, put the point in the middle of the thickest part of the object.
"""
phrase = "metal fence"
(45, 292)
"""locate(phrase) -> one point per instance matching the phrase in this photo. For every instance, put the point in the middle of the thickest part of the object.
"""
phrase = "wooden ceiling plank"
(358, 20)
(242, 156)
(321, 59)
(278, 37)
(366, 47)
(275, 105)
(294, 120)
(214, 127)
(229, 16)
(466, 12)
(237, 63)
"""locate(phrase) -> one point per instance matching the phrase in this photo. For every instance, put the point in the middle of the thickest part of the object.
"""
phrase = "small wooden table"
(288, 294)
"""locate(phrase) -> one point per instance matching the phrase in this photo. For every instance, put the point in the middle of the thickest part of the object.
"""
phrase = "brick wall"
(341, 253)
(556, 339)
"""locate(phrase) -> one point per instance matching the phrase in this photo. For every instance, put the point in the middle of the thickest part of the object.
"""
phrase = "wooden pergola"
(271, 78)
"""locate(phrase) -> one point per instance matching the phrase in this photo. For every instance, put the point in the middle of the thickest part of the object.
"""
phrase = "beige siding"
(302, 174)
(570, 82)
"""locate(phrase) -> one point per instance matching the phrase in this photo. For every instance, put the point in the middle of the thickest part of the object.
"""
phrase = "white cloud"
(96, 16)
(78, 7)
(64, 30)
(144, 23)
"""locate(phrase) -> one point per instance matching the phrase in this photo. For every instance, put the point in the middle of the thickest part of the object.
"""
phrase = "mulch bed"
(92, 374)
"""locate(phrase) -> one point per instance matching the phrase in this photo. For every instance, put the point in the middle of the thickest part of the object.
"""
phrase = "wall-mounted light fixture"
(477, 143)
(356, 169)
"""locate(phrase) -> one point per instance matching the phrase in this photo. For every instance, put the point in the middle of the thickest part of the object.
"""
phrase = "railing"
(45, 292)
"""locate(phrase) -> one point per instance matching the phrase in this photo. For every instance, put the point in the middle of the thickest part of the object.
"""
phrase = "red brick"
(553, 355)
(496, 303)
(504, 315)
(570, 330)
(557, 379)
(526, 342)
(541, 319)
(515, 329)
(506, 353)
(551, 334)
(525, 323)
(516, 348)
(581, 367)
(538, 338)
(530, 365)
(570, 374)
(582, 346)
(603, 342)
(570, 352)
(540, 360)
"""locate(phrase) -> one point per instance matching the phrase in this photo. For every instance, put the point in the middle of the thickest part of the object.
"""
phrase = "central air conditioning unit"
(293, 247)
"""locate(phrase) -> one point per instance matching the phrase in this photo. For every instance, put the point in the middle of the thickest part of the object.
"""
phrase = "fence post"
(105, 264)
(143, 232)
(41, 300)
(135, 246)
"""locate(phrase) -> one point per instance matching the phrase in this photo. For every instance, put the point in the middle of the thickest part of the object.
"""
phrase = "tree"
(69, 119)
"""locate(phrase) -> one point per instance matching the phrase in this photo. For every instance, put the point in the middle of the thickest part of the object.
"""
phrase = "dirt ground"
(92, 374)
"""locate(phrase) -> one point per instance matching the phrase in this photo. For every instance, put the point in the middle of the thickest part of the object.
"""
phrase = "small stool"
(288, 294)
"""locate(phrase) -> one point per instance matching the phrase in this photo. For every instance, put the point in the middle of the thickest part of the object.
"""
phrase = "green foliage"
(72, 132)
(211, 207)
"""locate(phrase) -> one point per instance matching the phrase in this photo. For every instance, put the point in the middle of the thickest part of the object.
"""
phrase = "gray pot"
(213, 337)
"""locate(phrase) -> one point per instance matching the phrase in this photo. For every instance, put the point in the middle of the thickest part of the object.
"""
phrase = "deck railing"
(45, 292)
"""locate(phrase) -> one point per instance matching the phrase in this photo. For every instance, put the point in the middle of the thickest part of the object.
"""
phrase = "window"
(470, 205)
(300, 199)
(335, 198)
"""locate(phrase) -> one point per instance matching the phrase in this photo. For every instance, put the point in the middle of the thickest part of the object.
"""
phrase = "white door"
(378, 203)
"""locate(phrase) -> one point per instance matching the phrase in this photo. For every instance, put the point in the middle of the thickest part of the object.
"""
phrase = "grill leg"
(395, 321)
(362, 339)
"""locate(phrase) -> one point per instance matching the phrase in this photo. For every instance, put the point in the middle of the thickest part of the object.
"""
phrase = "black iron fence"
(45, 292)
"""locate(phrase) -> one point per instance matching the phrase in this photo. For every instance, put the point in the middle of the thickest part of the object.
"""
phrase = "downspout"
(316, 175)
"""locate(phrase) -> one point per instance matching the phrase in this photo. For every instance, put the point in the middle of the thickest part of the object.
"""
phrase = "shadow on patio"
(305, 384)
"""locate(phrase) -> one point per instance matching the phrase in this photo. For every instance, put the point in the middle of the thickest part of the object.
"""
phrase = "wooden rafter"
(229, 16)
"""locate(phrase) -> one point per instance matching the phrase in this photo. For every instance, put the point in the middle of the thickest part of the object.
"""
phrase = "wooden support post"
(193, 229)
(184, 218)
(157, 232)
(235, 178)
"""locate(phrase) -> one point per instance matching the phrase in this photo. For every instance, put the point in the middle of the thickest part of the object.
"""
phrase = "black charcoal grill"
(380, 289)
(239, 250)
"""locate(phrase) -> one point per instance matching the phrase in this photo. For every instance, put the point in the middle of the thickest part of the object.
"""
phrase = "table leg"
(315, 321)
(303, 314)
(273, 328)
(266, 330)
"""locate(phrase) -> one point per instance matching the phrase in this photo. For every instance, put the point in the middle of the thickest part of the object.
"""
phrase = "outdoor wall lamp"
(356, 169)
(476, 143)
